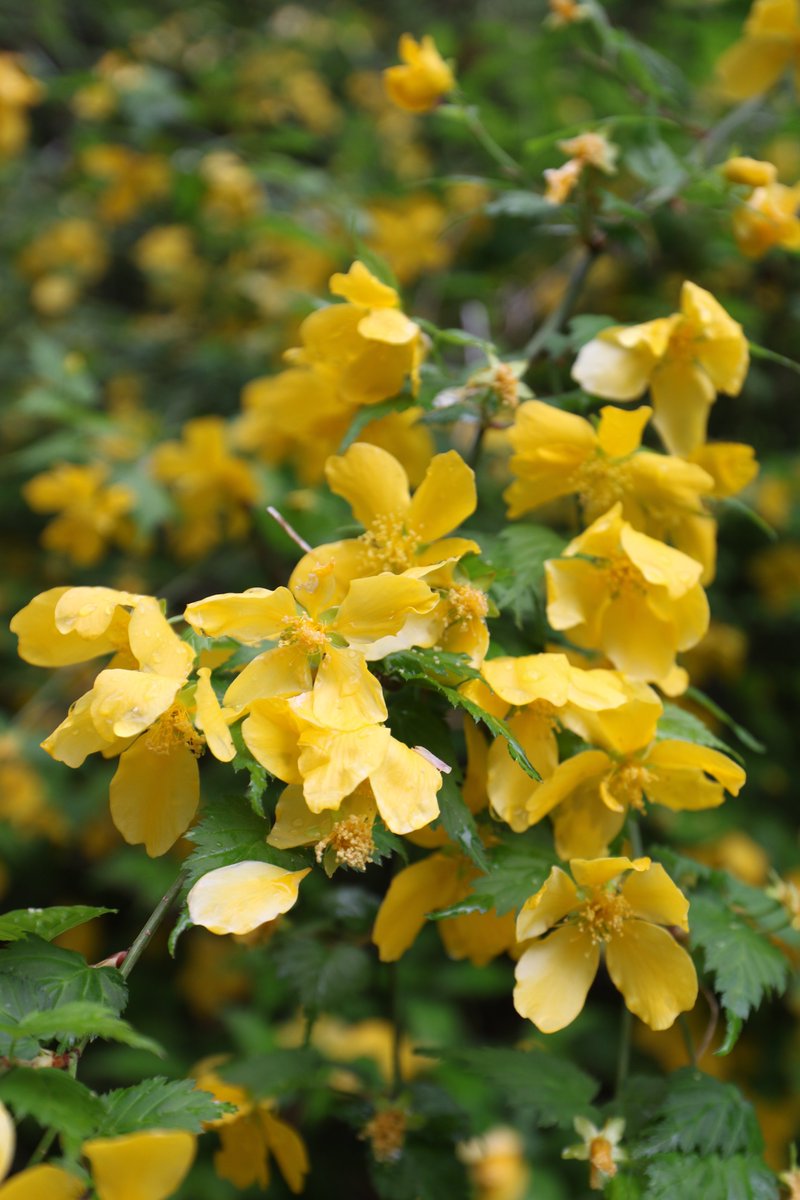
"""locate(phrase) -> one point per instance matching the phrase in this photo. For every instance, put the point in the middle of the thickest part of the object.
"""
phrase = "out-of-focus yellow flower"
(768, 218)
(19, 91)
(685, 360)
(234, 193)
(600, 1148)
(774, 498)
(625, 919)
(128, 179)
(251, 1135)
(737, 853)
(241, 897)
(409, 234)
(560, 181)
(720, 655)
(423, 80)
(566, 12)
(91, 514)
(213, 488)
(628, 596)
(770, 45)
(280, 85)
(210, 978)
(496, 1164)
(776, 573)
(23, 801)
(140, 1166)
(752, 172)
(67, 257)
(166, 255)
(585, 150)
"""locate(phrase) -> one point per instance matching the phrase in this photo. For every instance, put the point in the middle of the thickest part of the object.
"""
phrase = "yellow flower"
(341, 837)
(408, 234)
(251, 1135)
(622, 593)
(233, 193)
(768, 218)
(561, 181)
(66, 257)
(18, 92)
(566, 12)
(600, 1148)
(424, 79)
(437, 882)
(332, 763)
(214, 489)
(91, 514)
(685, 360)
(545, 691)
(592, 150)
(752, 172)
(623, 919)
(319, 646)
(770, 45)
(129, 179)
(496, 1164)
(241, 897)
(67, 625)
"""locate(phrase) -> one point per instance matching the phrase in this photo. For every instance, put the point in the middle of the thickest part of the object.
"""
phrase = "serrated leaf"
(46, 923)
(745, 966)
(230, 832)
(276, 1072)
(538, 1085)
(62, 975)
(158, 1104)
(684, 726)
(517, 868)
(744, 735)
(737, 1178)
(54, 1099)
(459, 822)
(519, 557)
(423, 1171)
(321, 976)
(703, 1114)
(76, 1019)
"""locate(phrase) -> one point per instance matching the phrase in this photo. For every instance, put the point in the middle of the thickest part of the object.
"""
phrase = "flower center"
(683, 341)
(629, 782)
(390, 546)
(386, 1132)
(603, 915)
(351, 841)
(309, 635)
(466, 603)
(172, 728)
(600, 483)
(624, 577)
(505, 385)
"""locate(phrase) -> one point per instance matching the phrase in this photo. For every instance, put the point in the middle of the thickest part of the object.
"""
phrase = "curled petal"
(239, 898)
(557, 897)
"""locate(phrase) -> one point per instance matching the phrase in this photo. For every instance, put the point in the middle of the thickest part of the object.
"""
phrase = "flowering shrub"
(395, 775)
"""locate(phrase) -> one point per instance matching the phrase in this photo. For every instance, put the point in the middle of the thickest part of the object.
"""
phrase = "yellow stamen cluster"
(351, 841)
(303, 632)
(390, 546)
(505, 385)
(599, 484)
(603, 915)
(543, 711)
(386, 1132)
(629, 783)
(172, 728)
(624, 576)
(466, 603)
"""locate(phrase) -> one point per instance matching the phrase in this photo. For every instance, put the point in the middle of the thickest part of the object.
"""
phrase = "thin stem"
(507, 164)
(624, 1052)
(45, 1142)
(688, 1040)
(142, 939)
(397, 1029)
(772, 356)
(720, 133)
(287, 529)
(563, 310)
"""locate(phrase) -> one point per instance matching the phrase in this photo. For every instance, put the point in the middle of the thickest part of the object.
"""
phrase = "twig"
(142, 939)
(287, 529)
(711, 1028)
(563, 310)
(624, 1053)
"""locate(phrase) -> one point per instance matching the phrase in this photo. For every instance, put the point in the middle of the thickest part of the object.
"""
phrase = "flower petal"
(154, 643)
(555, 898)
(661, 565)
(587, 767)
(528, 678)
(655, 975)
(359, 286)
(444, 499)
(125, 703)
(140, 1166)
(682, 396)
(154, 796)
(271, 735)
(250, 617)
(346, 695)
(553, 977)
(211, 720)
(241, 897)
(606, 368)
(284, 671)
(620, 432)
(599, 871)
(288, 1148)
(377, 607)
(583, 826)
(688, 756)
(405, 786)
(43, 644)
(372, 482)
(44, 1183)
(415, 891)
(333, 764)
(654, 897)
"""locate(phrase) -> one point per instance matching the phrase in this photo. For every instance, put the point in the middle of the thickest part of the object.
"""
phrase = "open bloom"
(771, 44)
(92, 513)
(67, 625)
(617, 906)
(632, 598)
(685, 359)
(422, 80)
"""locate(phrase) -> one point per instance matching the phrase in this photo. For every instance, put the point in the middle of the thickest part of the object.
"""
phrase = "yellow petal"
(636, 639)
(405, 786)
(284, 671)
(414, 892)
(686, 755)
(379, 606)
(346, 695)
(372, 482)
(624, 728)
(44, 1183)
(250, 617)
(288, 1147)
(532, 677)
(154, 795)
(577, 592)
(661, 565)
(271, 734)
(606, 368)
(242, 1157)
(511, 791)
(77, 736)
(587, 767)
(654, 897)
(388, 325)
(749, 67)
(619, 432)
(553, 977)
(682, 396)
(555, 898)
(154, 643)
(43, 644)
(655, 975)
(140, 1166)
(8, 1140)
(583, 826)
(239, 898)
(333, 764)
(731, 465)
(599, 871)
(125, 703)
(90, 611)
(444, 499)
(566, 436)
(361, 287)
(211, 720)
(478, 937)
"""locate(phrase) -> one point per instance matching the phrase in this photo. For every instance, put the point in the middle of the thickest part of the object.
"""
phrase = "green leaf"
(744, 736)
(75, 1019)
(519, 557)
(703, 1114)
(527, 205)
(320, 975)
(460, 823)
(368, 413)
(686, 1175)
(61, 975)
(436, 666)
(535, 1083)
(230, 832)
(517, 869)
(158, 1104)
(54, 1099)
(276, 1072)
(46, 923)
(675, 722)
(745, 966)
(425, 1170)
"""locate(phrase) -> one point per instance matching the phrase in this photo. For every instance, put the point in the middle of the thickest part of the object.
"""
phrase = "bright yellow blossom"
(92, 514)
(67, 625)
(599, 912)
(771, 45)
(768, 218)
(423, 80)
(685, 359)
(628, 596)
(240, 898)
